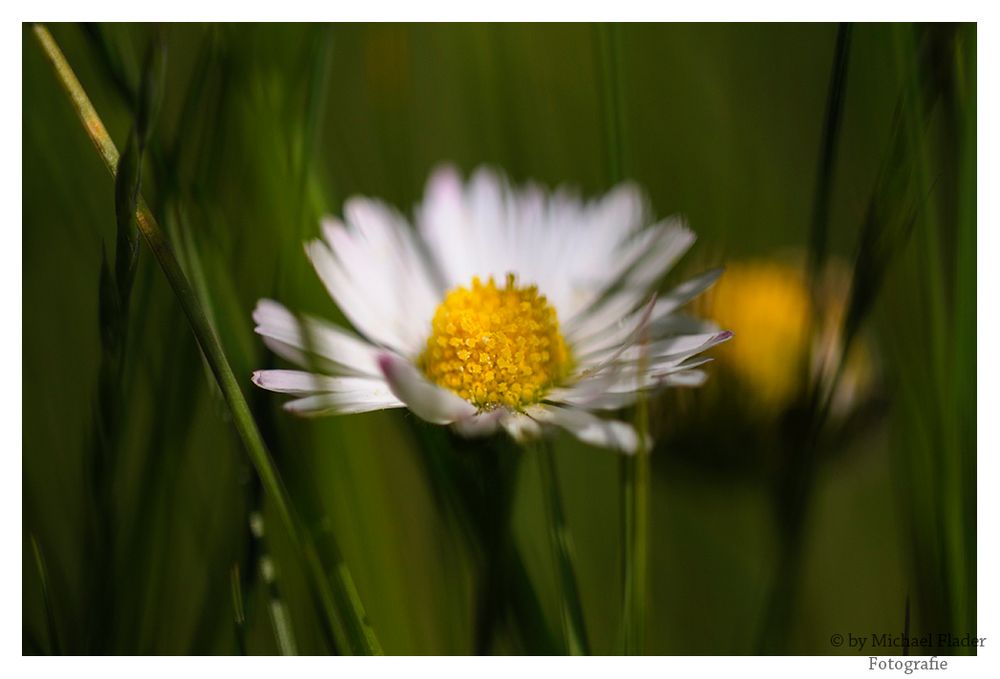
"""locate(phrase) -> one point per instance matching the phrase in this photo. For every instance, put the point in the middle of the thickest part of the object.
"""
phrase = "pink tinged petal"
(323, 395)
(588, 427)
(301, 382)
(427, 400)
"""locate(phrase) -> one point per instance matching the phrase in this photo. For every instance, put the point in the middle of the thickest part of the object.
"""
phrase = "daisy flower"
(505, 308)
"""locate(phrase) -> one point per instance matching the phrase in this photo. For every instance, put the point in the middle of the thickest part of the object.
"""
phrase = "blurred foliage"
(265, 127)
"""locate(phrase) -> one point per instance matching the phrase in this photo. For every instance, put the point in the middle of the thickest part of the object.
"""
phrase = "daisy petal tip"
(445, 182)
(633, 445)
(293, 409)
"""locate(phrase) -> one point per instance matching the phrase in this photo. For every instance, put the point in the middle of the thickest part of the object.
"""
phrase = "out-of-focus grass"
(263, 128)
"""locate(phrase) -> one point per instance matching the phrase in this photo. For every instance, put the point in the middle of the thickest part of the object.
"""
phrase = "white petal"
(363, 301)
(427, 400)
(521, 428)
(444, 225)
(312, 343)
(481, 424)
(604, 238)
(685, 378)
(487, 228)
(628, 380)
(588, 427)
(639, 266)
(590, 399)
(639, 327)
(593, 394)
(684, 293)
(341, 404)
(385, 259)
(672, 351)
(605, 332)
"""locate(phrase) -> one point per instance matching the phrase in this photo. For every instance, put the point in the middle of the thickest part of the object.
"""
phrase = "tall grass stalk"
(55, 646)
(239, 609)
(837, 88)
(341, 603)
(944, 517)
(635, 526)
(794, 489)
(609, 43)
(634, 469)
(114, 300)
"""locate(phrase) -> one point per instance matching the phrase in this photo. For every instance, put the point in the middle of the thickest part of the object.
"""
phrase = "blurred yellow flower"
(768, 306)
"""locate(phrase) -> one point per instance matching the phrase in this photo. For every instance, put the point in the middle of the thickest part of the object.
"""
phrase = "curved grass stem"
(341, 602)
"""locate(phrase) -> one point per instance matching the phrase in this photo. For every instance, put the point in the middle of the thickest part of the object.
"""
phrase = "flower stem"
(341, 604)
(571, 609)
(635, 531)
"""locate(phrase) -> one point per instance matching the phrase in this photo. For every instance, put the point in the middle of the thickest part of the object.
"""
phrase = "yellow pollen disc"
(496, 346)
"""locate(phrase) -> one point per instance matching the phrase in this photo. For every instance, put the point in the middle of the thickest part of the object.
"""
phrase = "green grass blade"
(609, 46)
(50, 617)
(828, 152)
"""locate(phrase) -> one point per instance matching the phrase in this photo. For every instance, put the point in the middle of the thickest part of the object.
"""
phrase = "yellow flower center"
(496, 346)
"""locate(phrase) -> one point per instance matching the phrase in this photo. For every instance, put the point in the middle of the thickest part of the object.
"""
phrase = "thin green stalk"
(634, 470)
(571, 608)
(55, 647)
(941, 332)
(964, 362)
(114, 298)
(239, 612)
(635, 528)
(342, 604)
(793, 492)
(828, 153)
(608, 46)
(320, 65)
